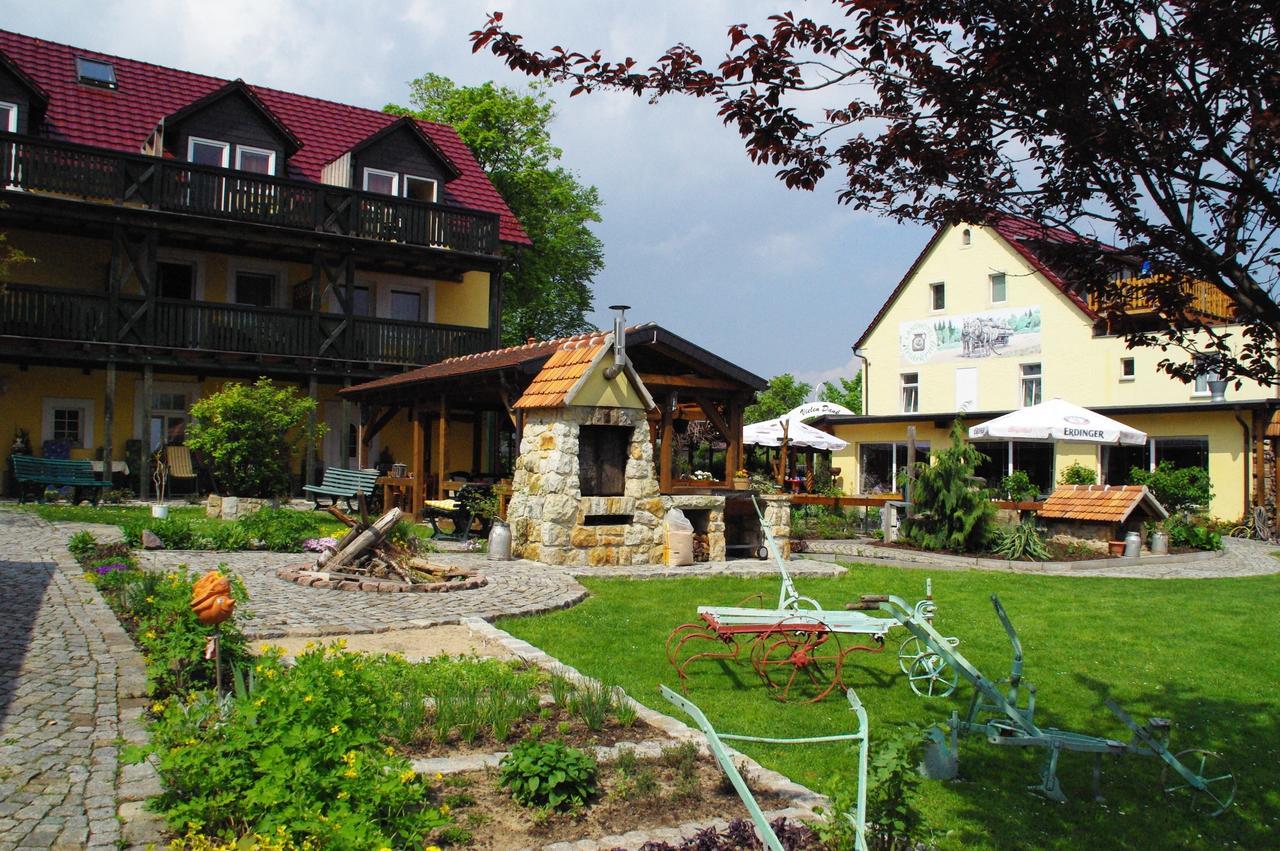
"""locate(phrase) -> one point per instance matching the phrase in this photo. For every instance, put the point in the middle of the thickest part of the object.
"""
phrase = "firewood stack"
(701, 546)
(366, 552)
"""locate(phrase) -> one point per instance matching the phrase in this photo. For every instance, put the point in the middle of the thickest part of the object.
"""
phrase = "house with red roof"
(188, 230)
(989, 319)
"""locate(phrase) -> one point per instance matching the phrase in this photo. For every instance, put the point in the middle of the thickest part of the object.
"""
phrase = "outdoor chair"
(339, 482)
(460, 511)
(181, 467)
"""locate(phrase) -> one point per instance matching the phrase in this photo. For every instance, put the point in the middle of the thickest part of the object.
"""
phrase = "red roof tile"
(1104, 503)
(123, 119)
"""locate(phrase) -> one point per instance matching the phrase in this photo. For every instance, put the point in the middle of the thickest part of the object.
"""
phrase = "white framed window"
(1204, 374)
(178, 273)
(999, 288)
(8, 117)
(937, 296)
(910, 392)
(966, 237)
(420, 188)
(382, 182)
(256, 160)
(68, 419)
(1032, 385)
(1128, 371)
(208, 152)
(880, 463)
(170, 406)
(254, 287)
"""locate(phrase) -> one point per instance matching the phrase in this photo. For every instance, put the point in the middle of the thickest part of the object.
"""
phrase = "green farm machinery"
(1007, 717)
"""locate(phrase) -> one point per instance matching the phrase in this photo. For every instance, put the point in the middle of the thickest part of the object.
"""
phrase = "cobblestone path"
(65, 666)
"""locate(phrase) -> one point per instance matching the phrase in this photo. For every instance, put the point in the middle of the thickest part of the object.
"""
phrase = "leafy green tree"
(1176, 488)
(848, 392)
(546, 287)
(782, 394)
(251, 433)
(951, 511)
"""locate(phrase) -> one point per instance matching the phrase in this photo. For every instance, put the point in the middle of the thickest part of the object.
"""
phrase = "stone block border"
(802, 799)
(308, 577)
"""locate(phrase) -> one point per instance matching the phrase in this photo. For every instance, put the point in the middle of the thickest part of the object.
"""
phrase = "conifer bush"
(950, 510)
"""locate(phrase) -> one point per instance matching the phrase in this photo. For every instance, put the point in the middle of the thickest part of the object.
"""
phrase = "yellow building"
(187, 231)
(983, 323)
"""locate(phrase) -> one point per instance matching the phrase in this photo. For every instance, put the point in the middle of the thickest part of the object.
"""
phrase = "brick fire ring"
(308, 576)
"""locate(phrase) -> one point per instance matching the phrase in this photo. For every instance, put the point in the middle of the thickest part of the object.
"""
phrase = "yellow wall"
(1075, 365)
(465, 303)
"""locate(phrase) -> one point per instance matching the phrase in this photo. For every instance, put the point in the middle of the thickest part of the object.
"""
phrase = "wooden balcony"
(46, 167)
(1204, 299)
(213, 328)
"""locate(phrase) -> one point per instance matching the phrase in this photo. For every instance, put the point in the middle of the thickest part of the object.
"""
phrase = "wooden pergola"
(686, 382)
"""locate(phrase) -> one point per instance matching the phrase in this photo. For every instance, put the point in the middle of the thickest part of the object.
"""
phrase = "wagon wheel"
(1212, 770)
(931, 676)
(911, 649)
(725, 647)
(790, 649)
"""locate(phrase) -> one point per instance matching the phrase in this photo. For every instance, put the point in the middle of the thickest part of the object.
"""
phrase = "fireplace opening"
(607, 520)
(742, 537)
(602, 459)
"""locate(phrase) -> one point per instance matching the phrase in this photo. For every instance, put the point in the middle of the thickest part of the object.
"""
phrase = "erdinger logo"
(1092, 433)
(1074, 420)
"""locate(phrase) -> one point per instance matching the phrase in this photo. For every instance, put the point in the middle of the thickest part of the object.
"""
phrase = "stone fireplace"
(585, 493)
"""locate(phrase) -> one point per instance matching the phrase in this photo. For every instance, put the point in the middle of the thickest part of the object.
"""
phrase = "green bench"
(53, 472)
(344, 483)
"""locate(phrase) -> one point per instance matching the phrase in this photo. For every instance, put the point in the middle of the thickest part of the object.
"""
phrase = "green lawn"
(116, 515)
(1202, 652)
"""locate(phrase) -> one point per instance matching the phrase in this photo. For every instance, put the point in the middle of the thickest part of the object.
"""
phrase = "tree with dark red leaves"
(1153, 125)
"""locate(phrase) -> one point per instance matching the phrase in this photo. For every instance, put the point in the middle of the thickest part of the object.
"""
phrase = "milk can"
(1132, 545)
(1159, 543)
(500, 541)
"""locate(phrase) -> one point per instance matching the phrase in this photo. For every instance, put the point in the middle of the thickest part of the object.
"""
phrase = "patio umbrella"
(1058, 420)
(796, 433)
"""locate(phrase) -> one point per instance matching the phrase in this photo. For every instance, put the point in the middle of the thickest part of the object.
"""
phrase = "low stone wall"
(231, 507)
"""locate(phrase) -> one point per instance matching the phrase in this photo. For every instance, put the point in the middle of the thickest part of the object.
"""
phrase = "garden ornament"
(211, 598)
(715, 741)
(1200, 777)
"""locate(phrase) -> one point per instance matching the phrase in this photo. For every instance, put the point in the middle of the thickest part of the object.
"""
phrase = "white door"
(967, 388)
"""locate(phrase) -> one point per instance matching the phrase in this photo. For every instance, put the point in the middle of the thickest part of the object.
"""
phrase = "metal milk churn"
(1132, 545)
(500, 541)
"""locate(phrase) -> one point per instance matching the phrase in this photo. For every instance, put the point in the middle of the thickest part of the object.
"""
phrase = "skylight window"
(91, 72)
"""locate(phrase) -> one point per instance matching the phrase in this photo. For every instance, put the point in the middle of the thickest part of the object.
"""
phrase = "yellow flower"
(433, 848)
(271, 673)
(257, 668)
(343, 795)
(349, 758)
(157, 707)
(389, 751)
(335, 728)
(263, 648)
(407, 775)
(439, 776)
(260, 701)
(310, 645)
(350, 772)
(337, 672)
(306, 699)
(444, 809)
(150, 634)
(151, 600)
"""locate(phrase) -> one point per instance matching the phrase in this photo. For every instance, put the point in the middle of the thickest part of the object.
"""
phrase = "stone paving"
(67, 671)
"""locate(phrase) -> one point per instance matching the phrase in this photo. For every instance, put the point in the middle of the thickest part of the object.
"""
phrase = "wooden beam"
(309, 458)
(664, 453)
(418, 469)
(709, 409)
(379, 423)
(695, 381)
(442, 437)
(344, 427)
(108, 422)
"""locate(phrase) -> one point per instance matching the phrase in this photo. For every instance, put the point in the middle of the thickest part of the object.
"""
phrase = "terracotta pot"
(1115, 548)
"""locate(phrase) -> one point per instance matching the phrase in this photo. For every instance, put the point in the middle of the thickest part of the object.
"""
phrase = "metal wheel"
(1216, 780)
(1242, 532)
(911, 649)
(931, 676)
(787, 651)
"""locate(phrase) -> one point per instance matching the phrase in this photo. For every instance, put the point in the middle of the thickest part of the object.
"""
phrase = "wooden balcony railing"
(92, 174)
(1204, 299)
(78, 316)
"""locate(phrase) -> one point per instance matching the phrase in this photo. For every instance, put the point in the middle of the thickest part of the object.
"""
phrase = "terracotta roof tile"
(1102, 503)
(123, 119)
(561, 373)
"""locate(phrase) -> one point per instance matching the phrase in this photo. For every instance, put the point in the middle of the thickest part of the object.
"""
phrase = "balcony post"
(495, 305)
(108, 422)
(144, 475)
(309, 460)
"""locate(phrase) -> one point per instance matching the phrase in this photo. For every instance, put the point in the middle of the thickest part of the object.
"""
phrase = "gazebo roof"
(1100, 503)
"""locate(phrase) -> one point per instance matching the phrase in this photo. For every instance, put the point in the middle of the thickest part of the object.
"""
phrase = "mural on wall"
(1012, 332)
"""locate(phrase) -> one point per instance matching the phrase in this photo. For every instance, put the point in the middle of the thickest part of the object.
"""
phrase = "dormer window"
(393, 183)
(419, 188)
(256, 160)
(382, 182)
(93, 72)
(8, 117)
(209, 152)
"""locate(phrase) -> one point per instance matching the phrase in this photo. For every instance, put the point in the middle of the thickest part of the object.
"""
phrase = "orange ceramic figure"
(211, 598)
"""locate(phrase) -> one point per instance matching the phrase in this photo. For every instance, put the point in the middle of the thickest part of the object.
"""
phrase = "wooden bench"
(344, 483)
(53, 472)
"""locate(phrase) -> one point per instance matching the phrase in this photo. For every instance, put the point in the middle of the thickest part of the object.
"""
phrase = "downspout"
(867, 378)
(1248, 454)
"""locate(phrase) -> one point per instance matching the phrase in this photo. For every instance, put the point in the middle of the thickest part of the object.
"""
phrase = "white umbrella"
(1058, 420)
(770, 433)
(813, 410)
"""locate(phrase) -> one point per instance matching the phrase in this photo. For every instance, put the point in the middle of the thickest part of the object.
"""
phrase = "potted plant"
(159, 475)
(741, 480)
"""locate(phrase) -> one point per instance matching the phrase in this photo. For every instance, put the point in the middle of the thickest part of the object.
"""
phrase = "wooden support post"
(309, 459)
(108, 422)
(911, 468)
(419, 468)
(667, 435)
(362, 422)
(344, 426)
(144, 475)
(442, 437)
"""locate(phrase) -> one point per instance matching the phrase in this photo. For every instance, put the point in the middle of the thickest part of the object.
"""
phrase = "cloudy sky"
(696, 237)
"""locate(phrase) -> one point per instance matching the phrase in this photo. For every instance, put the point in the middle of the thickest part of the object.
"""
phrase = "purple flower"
(319, 545)
(110, 568)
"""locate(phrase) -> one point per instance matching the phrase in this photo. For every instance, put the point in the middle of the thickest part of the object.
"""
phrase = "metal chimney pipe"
(619, 341)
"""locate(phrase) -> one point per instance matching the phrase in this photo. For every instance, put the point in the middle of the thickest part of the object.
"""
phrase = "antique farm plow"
(1200, 776)
(798, 641)
(858, 818)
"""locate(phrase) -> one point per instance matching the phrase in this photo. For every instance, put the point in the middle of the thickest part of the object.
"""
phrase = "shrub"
(228, 536)
(1176, 488)
(1183, 534)
(951, 511)
(82, 545)
(280, 530)
(175, 533)
(1017, 487)
(295, 753)
(1078, 474)
(249, 435)
(1020, 542)
(548, 774)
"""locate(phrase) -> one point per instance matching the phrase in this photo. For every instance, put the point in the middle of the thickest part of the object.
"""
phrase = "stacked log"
(366, 552)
